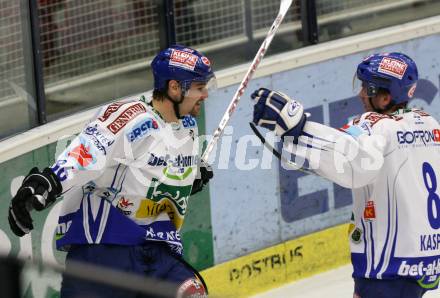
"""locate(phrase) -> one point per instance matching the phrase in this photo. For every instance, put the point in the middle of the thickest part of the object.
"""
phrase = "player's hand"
(203, 177)
(278, 112)
(38, 191)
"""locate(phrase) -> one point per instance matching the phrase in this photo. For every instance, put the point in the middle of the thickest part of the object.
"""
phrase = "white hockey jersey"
(127, 178)
(392, 163)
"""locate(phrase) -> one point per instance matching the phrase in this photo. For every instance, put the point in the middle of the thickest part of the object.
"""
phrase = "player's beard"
(197, 108)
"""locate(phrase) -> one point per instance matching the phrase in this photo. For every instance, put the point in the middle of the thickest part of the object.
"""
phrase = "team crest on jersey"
(392, 67)
(356, 236)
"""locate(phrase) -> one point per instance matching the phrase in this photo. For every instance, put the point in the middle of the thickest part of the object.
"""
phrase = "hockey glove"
(278, 112)
(205, 174)
(38, 191)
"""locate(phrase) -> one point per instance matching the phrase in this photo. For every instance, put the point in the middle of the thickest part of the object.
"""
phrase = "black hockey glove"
(38, 191)
(205, 174)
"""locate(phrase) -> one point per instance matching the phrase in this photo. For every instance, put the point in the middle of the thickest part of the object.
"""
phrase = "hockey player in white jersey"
(126, 181)
(389, 156)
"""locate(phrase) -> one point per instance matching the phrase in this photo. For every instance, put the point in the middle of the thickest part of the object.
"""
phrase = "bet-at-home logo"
(161, 198)
(177, 168)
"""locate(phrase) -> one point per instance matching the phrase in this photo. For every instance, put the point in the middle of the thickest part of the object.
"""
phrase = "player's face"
(365, 99)
(379, 101)
(194, 97)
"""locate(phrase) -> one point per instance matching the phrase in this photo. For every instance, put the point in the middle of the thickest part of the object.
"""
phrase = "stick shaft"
(284, 7)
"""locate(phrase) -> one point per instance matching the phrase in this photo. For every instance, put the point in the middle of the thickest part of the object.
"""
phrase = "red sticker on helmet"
(392, 67)
(183, 59)
(206, 61)
(411, 91)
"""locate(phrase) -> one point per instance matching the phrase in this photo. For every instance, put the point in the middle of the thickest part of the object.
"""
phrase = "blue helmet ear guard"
(395, 72)
(182, 64)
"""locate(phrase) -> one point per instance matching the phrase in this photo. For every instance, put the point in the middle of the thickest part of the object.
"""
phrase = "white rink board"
(331, 284)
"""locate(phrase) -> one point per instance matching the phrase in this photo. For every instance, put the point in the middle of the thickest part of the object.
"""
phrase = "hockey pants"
(153, 260)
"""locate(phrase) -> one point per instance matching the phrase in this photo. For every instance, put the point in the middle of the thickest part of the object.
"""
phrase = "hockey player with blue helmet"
(389, 158)
(186, 67)
(394, 74)
(126, 181)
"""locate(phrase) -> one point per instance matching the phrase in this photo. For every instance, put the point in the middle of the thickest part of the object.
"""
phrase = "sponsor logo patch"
(429, 272)
(142, 129)
(370, 211)
(82, 155)
(122, 120)
(99, 140)
(392, 67)
(412, 90)
(418, 136)
(206, 61)
(292, 109)
(180, 161)
(183, 59)
(123, 206)
(110, 110)
(164, 198)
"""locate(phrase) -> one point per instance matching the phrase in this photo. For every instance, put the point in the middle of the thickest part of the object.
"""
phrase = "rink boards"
(280, 264)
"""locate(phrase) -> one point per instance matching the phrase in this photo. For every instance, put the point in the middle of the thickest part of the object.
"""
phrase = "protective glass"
(357, 84)
(198, 90)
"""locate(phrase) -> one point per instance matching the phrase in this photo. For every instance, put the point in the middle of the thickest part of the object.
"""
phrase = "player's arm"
(349, 161)
(340, 157)
(83, 160)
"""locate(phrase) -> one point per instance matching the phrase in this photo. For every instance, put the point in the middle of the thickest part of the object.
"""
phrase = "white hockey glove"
(38, 191)
(278, 112)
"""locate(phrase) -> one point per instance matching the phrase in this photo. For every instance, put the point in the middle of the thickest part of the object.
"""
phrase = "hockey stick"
(284, 7)
(277, 153)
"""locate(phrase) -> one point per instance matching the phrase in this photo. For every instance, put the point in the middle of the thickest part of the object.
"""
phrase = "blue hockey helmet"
(182, 64)
(395, 72)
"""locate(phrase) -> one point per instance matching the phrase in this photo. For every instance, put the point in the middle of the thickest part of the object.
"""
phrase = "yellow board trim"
(277, 265)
